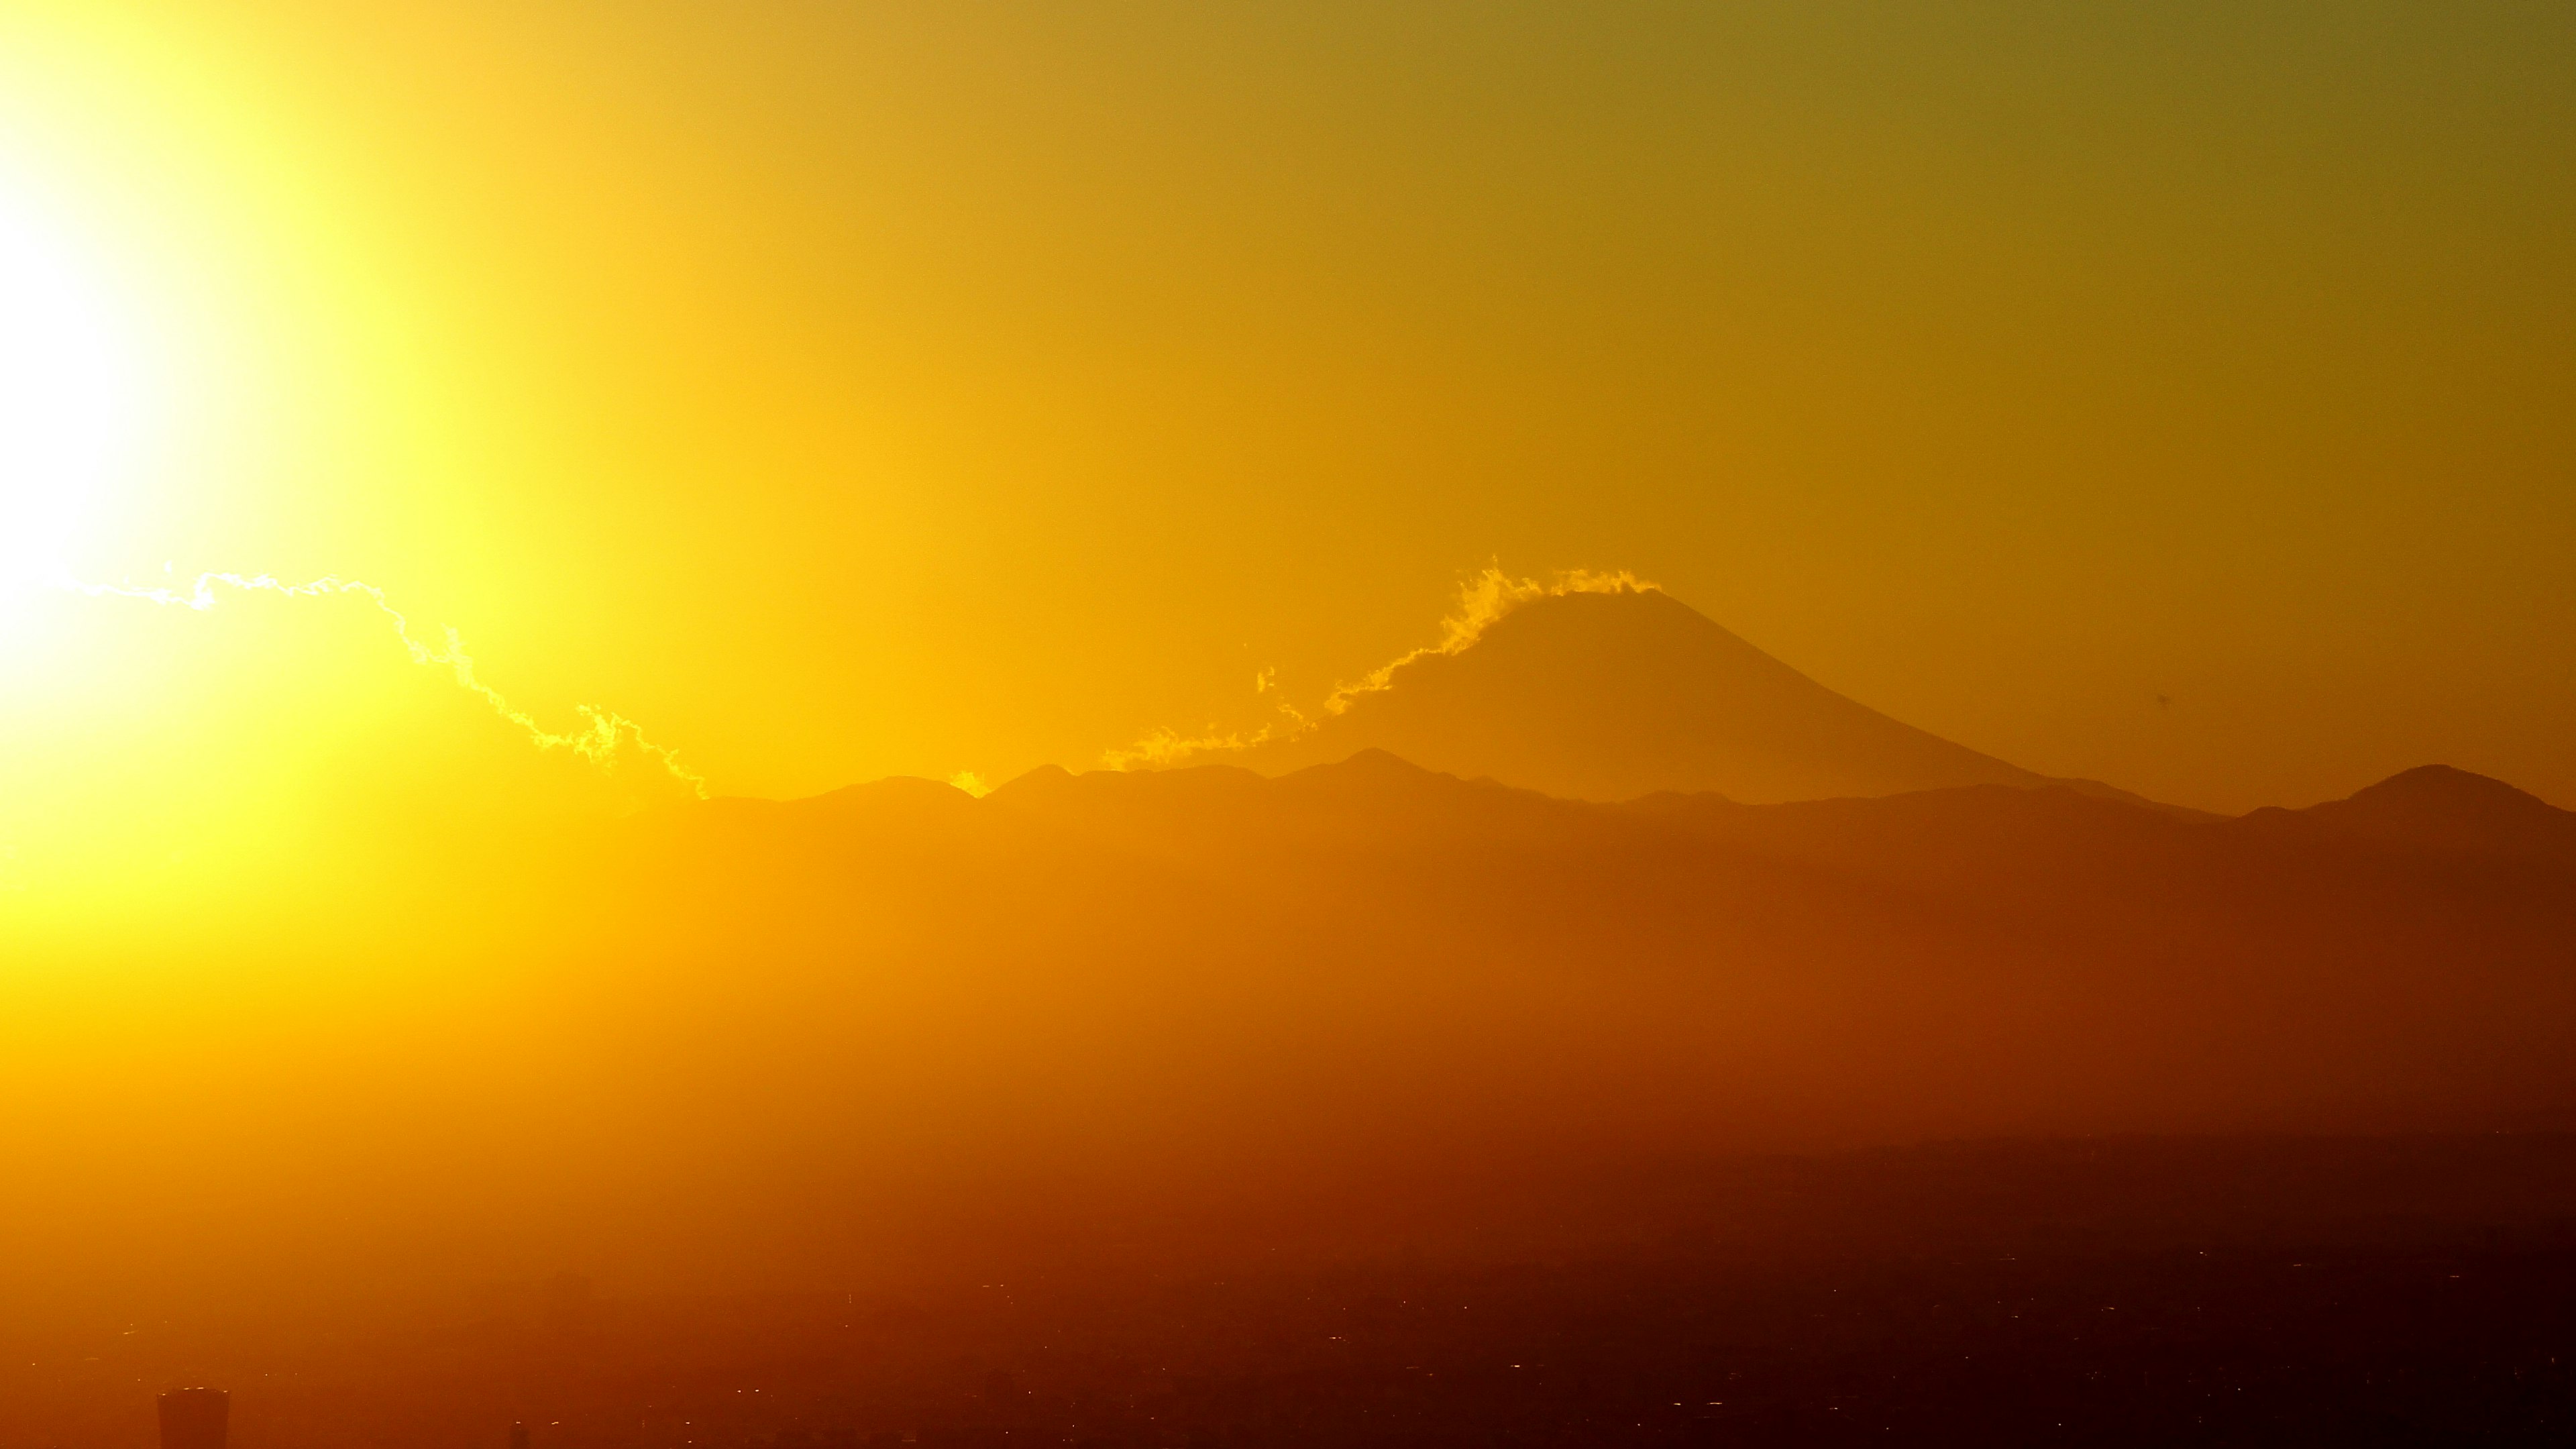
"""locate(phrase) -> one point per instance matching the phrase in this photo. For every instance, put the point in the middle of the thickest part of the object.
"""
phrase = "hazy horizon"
(2166, 399)
(1367, 724)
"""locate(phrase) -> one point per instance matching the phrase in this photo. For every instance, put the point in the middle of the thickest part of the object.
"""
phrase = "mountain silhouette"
(2441, 808)
(1609, 696)
(900, 1024)
(1344, 955)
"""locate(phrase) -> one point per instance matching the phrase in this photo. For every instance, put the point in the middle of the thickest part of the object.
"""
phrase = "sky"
(2169, 394)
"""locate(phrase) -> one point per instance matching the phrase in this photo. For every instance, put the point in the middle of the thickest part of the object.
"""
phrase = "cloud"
(1483, 598)
(602, 737)
(1166, 747)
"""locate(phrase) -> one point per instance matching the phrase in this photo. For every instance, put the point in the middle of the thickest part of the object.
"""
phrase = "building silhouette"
(194, 1418)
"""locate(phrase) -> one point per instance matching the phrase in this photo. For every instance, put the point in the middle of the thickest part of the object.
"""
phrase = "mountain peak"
(1038, 780)
(2426, 783)
(2453, 809)
(1376, 762)
(1614, 693)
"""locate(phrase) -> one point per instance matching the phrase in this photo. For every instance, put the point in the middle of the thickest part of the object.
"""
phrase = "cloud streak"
(601, 737)
(1483, 598)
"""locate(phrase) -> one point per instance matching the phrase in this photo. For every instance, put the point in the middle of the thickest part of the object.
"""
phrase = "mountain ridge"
(1614, 693)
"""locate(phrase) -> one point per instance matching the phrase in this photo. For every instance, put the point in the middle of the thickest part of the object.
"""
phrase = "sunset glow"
(71, 392)
(821, 724)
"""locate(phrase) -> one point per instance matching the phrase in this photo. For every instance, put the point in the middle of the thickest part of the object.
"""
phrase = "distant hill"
(2440, 808)
(1347, 1007)
(1353, 951)
(1613, 695)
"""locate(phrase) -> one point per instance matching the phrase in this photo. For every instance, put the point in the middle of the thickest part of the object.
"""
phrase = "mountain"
(2437, 807)
(1366, 953)
(1613, 695)
(1359, 1005)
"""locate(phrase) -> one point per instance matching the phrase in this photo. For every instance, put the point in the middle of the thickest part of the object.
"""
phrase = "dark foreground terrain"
(1365, 1105)
(2352, 1292)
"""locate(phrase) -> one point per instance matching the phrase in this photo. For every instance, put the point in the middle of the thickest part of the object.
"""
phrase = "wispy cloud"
(602, 737)
(1167, 746)
(1483, 598)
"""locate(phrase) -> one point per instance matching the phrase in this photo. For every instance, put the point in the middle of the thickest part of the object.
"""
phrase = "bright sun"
(68, 394)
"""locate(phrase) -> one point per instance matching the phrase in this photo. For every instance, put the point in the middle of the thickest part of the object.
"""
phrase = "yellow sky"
(844, 390)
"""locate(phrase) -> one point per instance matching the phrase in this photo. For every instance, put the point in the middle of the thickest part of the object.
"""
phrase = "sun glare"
(69, 399)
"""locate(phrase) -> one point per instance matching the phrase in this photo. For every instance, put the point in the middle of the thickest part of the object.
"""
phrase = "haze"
(850, 391)
(790, 725)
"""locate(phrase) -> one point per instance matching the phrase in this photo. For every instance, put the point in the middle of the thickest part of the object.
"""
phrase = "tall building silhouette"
(194, 1418)
(518, 1436)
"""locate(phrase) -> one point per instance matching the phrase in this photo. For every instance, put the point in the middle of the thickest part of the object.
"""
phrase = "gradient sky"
(2175, 394)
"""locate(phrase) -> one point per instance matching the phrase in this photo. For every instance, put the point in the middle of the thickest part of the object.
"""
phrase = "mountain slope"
(1608, 696)
(2438, 807)
(830, 1036)
(1358, 950)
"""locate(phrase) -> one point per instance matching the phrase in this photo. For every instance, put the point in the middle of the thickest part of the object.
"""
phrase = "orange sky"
(848, 390)
(2172, 395)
